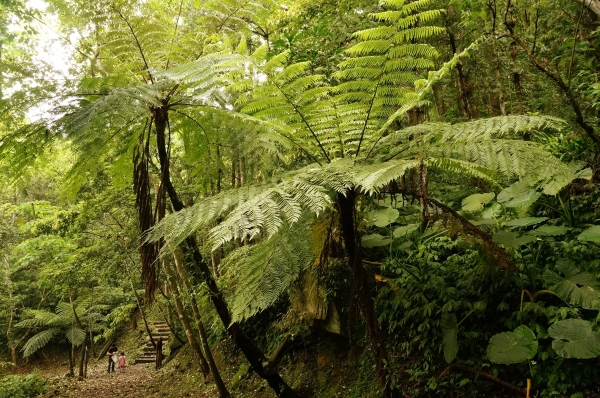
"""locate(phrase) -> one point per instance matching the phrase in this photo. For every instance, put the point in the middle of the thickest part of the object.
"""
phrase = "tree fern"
(246, 211)
(382, 68)
(39, 340)
(265, 270)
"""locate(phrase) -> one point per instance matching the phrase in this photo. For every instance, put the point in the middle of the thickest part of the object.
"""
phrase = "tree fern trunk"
(363, 286)
(184, 320)
(80, 375)
(190, 248)
(463, 84)
(223, 393)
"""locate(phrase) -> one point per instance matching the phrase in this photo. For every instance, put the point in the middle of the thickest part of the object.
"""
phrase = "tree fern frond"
(375, 176)
(75, 335)
(265, 270)
(269, 211)
(39, 340)
(463, 168)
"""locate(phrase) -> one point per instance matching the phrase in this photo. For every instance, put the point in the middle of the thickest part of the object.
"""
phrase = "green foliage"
(265, 270)
(512, 347)
(17, 386)
(576, 287)
(574, 338)
(449, 337)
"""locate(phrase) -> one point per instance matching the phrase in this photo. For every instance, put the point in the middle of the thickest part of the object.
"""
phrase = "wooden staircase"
(148, 355)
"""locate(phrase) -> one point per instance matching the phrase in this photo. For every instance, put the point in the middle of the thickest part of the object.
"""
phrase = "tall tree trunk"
(223, 393)
(71, 360)
(140, 307)
(82, 361)
(13, 354)
(363, 289)
(190, 248)
(463, 84)
(183, 319)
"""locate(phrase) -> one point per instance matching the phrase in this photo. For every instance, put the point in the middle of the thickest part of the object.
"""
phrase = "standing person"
(122, 361)
(111, 362)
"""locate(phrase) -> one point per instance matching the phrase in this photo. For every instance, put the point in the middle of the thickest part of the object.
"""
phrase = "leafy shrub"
(17, 386)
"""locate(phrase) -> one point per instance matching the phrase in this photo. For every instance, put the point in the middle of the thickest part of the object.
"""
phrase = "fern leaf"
(39, 340)
(265, 270)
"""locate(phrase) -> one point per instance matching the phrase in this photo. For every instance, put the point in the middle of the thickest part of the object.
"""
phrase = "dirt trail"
(134, 381)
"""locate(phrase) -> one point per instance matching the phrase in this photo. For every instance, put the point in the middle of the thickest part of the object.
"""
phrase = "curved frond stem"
(362, 133)
(297, 110)
(137, 42)
(276, 128)
(197, 123)
(228, 17)
(175, 31)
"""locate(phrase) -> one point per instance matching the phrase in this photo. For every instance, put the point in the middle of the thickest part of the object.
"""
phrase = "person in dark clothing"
(111, 364)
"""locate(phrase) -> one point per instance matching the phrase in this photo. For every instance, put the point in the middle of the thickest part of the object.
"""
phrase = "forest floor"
(133, 381)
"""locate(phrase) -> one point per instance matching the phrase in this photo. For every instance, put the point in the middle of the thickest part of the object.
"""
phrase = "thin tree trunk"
(82, 361)
(363, 289)
(251, 351)
(223, 393)
(463, 84)
(183, 319)
(87, 358)
(71, 360)
(140, 307)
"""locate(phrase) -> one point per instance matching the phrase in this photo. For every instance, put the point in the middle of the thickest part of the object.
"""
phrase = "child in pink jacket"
(122, 361)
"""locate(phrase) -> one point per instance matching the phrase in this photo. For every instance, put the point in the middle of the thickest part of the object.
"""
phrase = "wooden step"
(145, 360)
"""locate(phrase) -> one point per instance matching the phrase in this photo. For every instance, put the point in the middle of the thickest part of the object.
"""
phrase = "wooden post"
(159, 353)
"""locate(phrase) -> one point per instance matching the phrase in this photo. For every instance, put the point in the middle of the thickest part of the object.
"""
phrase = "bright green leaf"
(476, 201)
(524, 222)
(507, 348)
(590, 235)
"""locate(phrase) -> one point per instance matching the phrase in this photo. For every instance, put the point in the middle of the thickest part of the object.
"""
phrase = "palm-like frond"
(75, 335)
(265, 270)
(378, 77)
(246, 211)
(39, 340)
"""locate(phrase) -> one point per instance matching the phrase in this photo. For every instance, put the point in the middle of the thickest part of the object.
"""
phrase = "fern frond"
(75, 335)
(375, 176)
(269, 211)
(265, 270)
(39, 340)
(463, 168)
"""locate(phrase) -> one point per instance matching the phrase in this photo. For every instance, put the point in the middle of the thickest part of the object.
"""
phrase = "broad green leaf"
(578, 288)
(476, 201)
(574, 338)
(515, 190)
(550, 230)
(524, 222)
(493, 211)
(512, 239)
(525, 200)
(404, 230)
(590, 235)
(449, 336)
(524, 331)
(585, 174)
(486, 221)
(375, 240)
(383, 217)
(507, 348)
